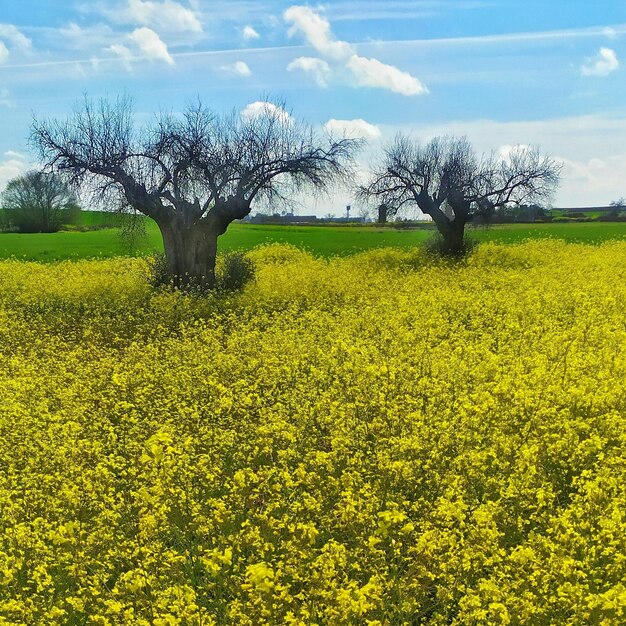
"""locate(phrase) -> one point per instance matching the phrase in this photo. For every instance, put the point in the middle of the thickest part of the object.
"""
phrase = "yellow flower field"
(375, 440)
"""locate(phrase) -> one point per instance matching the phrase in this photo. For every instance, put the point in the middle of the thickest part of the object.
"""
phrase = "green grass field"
(323, 241)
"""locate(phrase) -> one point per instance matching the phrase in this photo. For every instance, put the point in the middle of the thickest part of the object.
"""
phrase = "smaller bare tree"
(39, 202)
(448, 181)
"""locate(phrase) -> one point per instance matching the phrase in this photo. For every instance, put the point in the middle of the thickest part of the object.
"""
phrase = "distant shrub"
(403, 224)
(613, 216)
(563, 219)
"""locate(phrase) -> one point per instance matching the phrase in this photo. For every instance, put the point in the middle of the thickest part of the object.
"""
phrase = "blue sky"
(502, 72)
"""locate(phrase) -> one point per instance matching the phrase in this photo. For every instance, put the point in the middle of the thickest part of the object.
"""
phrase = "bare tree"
(448, 181)
(39, 202)
(192, 174)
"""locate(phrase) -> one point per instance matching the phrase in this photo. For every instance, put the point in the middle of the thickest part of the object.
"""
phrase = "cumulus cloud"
(355, 129)
(363, 72)
(249, 33)
(5, 99)
(14, 164)
(601, 178)
(122, 52)
(150, 44)
(506, 151)
(373, 73)
(317, 31)
(240, 68)
(166, 15)
(260, 109)
(317, 67)
(146, 44)
(602, 64)
(85, 38)
(14, 37)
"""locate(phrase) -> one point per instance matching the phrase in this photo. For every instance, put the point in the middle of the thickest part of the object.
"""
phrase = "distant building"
(345, 220)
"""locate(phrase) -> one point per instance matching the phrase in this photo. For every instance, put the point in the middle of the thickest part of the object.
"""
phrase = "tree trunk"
(451, 230)
(453, 234)
(382, 214)
(190, 253)
(454, 238)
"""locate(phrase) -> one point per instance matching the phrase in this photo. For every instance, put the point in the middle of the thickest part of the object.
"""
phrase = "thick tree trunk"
(382, 214)
(190, 253)
(454, 237)
(453, 234)
(451, 230)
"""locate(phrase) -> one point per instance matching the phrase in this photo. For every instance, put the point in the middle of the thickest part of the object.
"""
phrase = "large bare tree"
(193, 173)
(448, 181)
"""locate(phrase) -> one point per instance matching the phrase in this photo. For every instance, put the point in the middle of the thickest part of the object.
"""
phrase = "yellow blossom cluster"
(375, 440)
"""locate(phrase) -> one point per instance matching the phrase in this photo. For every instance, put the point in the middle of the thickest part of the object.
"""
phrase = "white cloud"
(150, 44)
(602, 64)
(261, 109)
(14, 164)
(121, 51)
(5, 99)
(240, 68)
(601, 178)
(355, 129)
(318, 67)
(85, 38)
(366, 72)
(166, 15)
(73, 31)
(506, 151)
(317, 31)
(147, 45)
(373, 73)
(15, 37)
(249, 33)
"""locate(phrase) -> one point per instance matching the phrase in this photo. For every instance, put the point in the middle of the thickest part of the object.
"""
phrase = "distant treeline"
(528, 214)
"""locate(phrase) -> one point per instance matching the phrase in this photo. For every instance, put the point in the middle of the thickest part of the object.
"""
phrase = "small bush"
(436, 245)
(158, 276)
(234, 272)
